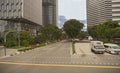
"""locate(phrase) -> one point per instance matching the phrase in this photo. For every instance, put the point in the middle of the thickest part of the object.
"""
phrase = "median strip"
(61, 65)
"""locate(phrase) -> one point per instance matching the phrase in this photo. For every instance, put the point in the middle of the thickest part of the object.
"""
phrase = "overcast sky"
(72, 9)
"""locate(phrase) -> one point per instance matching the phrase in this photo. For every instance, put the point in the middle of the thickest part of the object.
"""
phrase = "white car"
(97, 47)
(112, 48)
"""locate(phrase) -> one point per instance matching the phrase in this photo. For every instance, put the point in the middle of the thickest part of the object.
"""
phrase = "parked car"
(97, 47)
(112, 48)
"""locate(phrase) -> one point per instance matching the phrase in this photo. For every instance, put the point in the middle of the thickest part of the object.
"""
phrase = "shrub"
(1, 40)
(25, 43)
(11, 40)
(11, 43)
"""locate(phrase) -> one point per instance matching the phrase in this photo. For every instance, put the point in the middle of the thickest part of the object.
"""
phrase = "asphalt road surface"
(57, 58)
(50, 69)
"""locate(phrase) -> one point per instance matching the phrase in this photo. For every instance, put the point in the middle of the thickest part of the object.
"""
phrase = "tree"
(82, 35)
(105, 31)
(72, 28)
(111, 24)
(25, 38)
(40, 39)
(116, 33)
(11, 39)
(51, 32)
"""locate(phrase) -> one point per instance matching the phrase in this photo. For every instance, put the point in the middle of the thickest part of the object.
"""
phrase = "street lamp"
(5, 34)
(18, 30)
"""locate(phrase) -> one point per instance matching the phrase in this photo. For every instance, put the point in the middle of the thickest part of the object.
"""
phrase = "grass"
(24, 49)
(30, 48)
(73, 48)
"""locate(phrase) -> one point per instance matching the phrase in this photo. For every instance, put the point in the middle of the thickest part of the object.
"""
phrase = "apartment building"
(98, 11)
(116, 10)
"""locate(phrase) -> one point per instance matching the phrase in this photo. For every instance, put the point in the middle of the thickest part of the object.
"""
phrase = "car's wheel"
(92, 50)
(107, 51)
(110, 52)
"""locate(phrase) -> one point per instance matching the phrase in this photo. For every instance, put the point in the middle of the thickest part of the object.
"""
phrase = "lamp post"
(5, 34)
(18, 30)
(5, 43)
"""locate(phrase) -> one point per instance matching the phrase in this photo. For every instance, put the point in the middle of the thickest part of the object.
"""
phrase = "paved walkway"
(8, 51)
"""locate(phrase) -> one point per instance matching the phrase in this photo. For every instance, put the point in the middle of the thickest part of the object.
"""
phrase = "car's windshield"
(115, 47)
(99, 47)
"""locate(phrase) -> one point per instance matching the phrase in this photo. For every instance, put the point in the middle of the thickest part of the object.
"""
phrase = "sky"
(72, 9)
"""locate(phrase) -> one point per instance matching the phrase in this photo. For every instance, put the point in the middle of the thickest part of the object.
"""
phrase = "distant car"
(112, 48)
(90, 38)
(97, 47)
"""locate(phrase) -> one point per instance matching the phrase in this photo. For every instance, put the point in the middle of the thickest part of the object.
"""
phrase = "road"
(54, 53)
(49, 69)
(57, 58)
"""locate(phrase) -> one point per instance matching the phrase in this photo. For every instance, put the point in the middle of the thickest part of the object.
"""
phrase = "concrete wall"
(32, 10)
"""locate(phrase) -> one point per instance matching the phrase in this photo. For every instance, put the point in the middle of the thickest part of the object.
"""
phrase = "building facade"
(20, 15)
(27, 14)
(98, 11)
(116, 10)
(50, 12)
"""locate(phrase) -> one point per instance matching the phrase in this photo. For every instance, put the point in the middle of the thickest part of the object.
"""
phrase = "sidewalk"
(8, 51)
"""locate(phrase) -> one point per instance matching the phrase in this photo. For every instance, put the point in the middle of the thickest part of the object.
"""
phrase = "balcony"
(116, 14)
(116, 5)
(115, 10)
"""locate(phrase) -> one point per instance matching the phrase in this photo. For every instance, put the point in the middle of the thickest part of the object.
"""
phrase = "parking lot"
(85, 48)
(85, 56)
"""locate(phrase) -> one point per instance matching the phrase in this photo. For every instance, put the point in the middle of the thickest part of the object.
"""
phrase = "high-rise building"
(116, 10)
(27, 14)
(98, 11)
(21, 14)
(50, 12)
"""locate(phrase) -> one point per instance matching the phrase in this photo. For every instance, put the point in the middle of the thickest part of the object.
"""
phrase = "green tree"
(25, 38)
(40, 39)
(104, 31)
(72, 28)
(82, 35)
(51, 32)
(11, 39)
(111, 24)
(116, 33)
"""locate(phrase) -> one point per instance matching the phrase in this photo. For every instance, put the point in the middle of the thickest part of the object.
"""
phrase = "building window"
(7, 4)
(17, 3)
(10, 10)
(14, 10)
(21, 3)
(2, 4)
(12, 4)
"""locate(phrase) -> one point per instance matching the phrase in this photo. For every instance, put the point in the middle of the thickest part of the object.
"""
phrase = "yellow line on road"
(61, 65)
